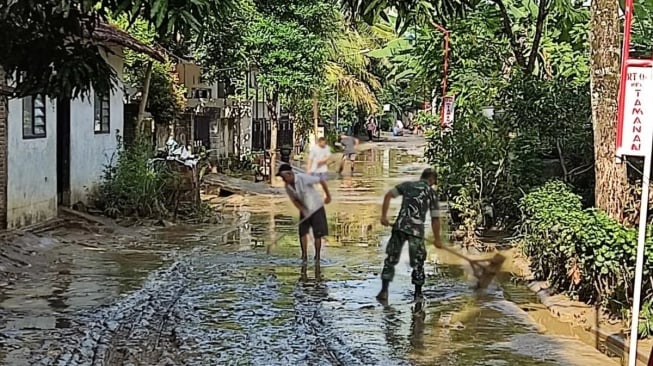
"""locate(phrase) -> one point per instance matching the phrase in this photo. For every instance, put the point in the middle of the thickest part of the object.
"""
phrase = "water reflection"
(317, 273)
(392, 329)
(417, 329)
(247, 300)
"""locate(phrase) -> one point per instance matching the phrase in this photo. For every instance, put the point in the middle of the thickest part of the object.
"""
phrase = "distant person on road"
(301, 190)
(318, 158)
(349, 143)
(398, 130)
(419, 198)
(371, 127)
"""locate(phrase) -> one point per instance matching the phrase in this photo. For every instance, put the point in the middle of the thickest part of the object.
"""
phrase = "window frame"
(33, 135)
(101, 99)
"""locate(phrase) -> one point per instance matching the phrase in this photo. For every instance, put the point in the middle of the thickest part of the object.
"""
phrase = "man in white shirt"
(318, 157)
(301, 190)
(398, 130)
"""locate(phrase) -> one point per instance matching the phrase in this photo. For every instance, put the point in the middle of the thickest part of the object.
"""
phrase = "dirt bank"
(585, 322)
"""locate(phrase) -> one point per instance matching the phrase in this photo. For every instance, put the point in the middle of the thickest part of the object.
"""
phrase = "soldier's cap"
(284, 168)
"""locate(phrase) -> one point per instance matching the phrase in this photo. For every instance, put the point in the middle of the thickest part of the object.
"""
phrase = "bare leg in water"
(304, 245)
(318, 249)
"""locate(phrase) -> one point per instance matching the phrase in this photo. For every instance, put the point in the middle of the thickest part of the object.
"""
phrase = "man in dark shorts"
(301, 190)
(418, 200)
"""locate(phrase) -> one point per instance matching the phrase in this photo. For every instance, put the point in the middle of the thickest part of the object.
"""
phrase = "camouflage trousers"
(417, 253)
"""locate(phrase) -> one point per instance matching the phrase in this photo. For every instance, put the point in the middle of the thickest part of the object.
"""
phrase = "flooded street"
(236, 294)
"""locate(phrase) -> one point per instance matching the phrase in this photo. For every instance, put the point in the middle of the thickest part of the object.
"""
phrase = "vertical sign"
(448, 112)
(637, 124)
(634, 134)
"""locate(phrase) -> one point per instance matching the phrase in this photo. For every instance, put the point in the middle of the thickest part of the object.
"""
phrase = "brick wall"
(3, 150)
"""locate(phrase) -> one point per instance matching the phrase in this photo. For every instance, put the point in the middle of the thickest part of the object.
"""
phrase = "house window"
(34, 117)
(101, 113)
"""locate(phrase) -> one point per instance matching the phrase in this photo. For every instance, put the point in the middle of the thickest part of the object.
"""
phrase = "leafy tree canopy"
(286, 41)
(59, 32)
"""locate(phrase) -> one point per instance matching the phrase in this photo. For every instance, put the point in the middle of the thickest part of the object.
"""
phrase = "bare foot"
(382, 296)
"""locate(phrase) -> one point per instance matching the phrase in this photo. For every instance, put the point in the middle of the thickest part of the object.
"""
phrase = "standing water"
(238, 295)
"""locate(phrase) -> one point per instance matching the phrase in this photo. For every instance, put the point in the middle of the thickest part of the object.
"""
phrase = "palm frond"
(351, 87)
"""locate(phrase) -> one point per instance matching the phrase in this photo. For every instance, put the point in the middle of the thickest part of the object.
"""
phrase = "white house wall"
(31, 169)
(32, 163)
(90, 153)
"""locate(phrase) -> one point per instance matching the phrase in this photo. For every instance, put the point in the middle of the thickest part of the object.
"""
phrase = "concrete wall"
(32, 163)
(91, 152)
(221, 136)
(31, 169)
(246, 135)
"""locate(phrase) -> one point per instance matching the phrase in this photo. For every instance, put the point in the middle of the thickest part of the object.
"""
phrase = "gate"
(285, 133)
(260, 133)
(202, 130)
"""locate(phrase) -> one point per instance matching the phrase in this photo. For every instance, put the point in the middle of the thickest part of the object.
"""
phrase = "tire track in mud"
(203, 311)
(253, 318)
(128, 332)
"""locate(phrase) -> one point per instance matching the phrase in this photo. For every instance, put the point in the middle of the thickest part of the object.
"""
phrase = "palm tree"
(347, 68)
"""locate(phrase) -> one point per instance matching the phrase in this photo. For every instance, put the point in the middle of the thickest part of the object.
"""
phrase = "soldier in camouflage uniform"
(418, 199)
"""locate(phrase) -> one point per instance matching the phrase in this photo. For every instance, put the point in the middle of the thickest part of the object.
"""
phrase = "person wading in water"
(418, 200)
(318, 158)
(348, 157)
(371, 128)
(301, 190)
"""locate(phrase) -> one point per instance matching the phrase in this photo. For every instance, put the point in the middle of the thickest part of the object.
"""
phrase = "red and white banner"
(636, 113)
(448, 108)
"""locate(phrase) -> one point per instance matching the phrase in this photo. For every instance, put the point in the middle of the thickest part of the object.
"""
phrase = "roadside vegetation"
(531, 153)
(532, 147)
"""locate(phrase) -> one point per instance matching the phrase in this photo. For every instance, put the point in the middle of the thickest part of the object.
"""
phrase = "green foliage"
(290, 58)
(66, 67)
(490, 159)
(137, 184)
(166, 97)
(542, 121)
(583, 253)
(221, 49)
(131, 186)
(166, 100)
(408, 11)
(427, 120)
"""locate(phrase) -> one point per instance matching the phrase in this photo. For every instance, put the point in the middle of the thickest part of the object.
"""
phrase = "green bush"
(539, 130)
(583, 252)
(131, 186)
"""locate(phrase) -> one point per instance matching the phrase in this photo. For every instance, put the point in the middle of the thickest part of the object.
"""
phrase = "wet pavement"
(236, 294)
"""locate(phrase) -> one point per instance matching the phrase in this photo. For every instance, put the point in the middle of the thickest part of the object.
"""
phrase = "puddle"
(237, 295)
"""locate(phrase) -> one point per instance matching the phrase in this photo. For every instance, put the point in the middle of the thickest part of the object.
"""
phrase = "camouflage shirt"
(418, 199)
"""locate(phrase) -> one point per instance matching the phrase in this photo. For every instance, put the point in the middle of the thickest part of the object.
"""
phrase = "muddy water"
(237, 295)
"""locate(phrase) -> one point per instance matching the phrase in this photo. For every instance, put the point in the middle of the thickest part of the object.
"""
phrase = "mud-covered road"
(236, 294)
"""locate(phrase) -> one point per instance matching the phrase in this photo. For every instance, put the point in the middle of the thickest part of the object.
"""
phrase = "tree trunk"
(144, 95)
(274, 125)
(611, 193)
(4, 117)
